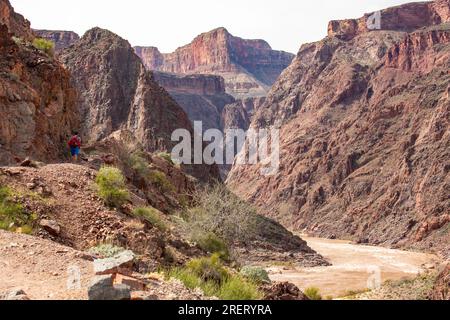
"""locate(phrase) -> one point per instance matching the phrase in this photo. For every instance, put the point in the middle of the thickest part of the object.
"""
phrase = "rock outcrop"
(407, 18)
(37, 102)
(118, 93)
(61, 39)
(249, 67)
(15, 22)
(441, 288)
(365, 135)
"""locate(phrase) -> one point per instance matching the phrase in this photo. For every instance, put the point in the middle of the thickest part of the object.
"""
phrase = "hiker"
(75, 145)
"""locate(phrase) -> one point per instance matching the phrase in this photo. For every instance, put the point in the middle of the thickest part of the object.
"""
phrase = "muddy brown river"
(355, 267)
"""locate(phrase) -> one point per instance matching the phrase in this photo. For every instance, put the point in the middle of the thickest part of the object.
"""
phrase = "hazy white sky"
(168, 24)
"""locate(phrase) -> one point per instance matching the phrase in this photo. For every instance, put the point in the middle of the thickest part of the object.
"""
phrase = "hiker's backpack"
(75, 141)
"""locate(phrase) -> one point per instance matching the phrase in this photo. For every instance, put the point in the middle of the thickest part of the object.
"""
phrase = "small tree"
(111, 187)
(221, 213)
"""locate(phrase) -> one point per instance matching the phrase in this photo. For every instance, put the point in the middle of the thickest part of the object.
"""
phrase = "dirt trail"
(43, 269)
(355, 267)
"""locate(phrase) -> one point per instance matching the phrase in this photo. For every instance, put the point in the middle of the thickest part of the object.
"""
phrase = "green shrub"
(111, 187)
(152, 215)
(236, 288)
(13, 217)
(257, 275)
(105, 250)
(160, 180)
(189, 279)
(139, 164)
(212, 244)
(44, 45)
(211, 276)
(208, 269)
(166, 157)
(313, 293)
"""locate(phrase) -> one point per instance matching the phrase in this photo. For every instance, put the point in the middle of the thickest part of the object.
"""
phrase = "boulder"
(102, 288)
(16, 294)
(284, 291)
(133, 283)
(50, 226)
(120, 263)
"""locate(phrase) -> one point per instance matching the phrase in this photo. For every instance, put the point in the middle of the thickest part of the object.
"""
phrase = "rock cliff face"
(116, 92)
(365, 135)
(15, 22)
(406, 18)
(249, 67)
(37, 102)
(62, 39)
(202, 97)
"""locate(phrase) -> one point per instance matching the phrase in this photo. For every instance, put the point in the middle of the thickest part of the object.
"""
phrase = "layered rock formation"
(365, 134)
(117, 92)
(406, 18)
(202, 97)
(249, 67)
(61, 39)
(37, 102)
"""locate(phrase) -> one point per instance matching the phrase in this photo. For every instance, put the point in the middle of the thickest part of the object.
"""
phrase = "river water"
(355, 267)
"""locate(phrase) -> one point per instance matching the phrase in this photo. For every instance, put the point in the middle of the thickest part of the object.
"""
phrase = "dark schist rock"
(365, 134)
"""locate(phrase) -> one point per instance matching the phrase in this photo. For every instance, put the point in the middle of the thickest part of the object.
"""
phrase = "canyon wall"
(249, 67)
(37, 100)
(365, 135)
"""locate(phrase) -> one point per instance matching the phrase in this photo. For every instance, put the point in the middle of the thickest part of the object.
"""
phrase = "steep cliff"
(365, 134)
(202, 97)
(61, 39)
(116, 92)
(37, 102)
(249, 67)
(15, 22)
(408, 17)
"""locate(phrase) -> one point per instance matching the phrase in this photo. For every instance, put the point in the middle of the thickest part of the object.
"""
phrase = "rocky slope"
(15, 22)
(37, 102)
(364, 133)
(249, 67)
(61, 39)
(116, 92)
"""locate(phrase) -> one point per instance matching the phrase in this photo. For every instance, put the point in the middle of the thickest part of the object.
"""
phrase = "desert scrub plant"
(44, 45)
(111, 187)
(257, 275)
(13, 217)
(105, 250)
(208, 269)
(212, 244)
(214, 279)
(220, 212)
(160, 180)
(152, 215)
(139, 164)
(313, 293)
(236, 288)
(167, 157)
